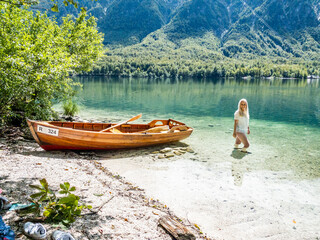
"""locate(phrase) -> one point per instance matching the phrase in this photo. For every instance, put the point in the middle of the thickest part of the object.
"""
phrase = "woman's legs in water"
(243, 138)
(237, 143)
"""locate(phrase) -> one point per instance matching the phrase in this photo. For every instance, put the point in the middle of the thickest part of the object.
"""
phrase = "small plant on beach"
(64, 208)
(70, 108)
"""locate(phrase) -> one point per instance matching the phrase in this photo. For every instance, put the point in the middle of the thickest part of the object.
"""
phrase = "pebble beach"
(120, 209)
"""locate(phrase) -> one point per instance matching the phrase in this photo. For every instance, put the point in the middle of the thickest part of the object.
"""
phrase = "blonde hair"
(241, 113)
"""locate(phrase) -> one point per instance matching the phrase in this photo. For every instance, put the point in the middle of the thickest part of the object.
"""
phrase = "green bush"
(37, 58)
(70, 108)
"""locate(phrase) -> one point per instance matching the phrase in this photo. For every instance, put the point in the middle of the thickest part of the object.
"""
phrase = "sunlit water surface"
(273, 191)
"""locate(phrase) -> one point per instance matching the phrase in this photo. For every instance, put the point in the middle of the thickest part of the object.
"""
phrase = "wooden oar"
(117, 125)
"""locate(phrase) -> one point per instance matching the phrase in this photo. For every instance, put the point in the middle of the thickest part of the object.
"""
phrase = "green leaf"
(63, 192)
(44, 184)
(77, 212)
(43, 198)
(47, 213)
(68, 200)
(36, 187)
(67, 185)
(55, 8)
(36, 195)
(62, 186)
(72, 189)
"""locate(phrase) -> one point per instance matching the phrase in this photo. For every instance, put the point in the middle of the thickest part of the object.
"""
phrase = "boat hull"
(51, 137)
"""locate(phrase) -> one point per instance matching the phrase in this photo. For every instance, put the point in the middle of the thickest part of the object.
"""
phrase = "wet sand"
(229, 194)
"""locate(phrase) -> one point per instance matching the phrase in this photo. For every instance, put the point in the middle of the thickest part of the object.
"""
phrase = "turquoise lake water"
(285, 114)
(280, 175)
(288, 101)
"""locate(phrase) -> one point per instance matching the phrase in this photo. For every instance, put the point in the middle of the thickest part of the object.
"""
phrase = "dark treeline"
(181, 69)
(158, 56)
(161, 56)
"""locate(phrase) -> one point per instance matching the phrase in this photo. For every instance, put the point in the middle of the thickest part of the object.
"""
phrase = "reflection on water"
(289, 101)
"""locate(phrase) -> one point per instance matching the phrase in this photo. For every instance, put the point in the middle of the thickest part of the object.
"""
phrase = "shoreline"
(264, 195)
(124, 211)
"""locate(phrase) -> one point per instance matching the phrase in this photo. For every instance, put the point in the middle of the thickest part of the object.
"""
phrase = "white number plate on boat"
(49, 131)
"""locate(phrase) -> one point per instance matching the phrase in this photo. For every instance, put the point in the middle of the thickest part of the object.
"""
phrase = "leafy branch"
(62, 209)
(54, 7)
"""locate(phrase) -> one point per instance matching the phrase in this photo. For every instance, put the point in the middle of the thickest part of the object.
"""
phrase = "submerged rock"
(177, 153)
(165, 150)
(169, 155)
(190, 150)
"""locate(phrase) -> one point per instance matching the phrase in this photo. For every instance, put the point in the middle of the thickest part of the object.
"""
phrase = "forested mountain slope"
(171, 32)
(241, 28)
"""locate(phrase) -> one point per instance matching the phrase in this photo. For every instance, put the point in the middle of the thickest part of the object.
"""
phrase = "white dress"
(243, 123)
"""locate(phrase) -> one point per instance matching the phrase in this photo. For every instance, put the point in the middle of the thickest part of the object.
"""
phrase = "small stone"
(165, 150)
(109, 217)
(177, 153)
(155, 152)
(190, 150)
(161, 156)
(87, 153)
(169, 155)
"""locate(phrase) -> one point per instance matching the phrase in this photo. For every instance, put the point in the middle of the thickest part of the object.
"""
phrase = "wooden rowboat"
(56, 135)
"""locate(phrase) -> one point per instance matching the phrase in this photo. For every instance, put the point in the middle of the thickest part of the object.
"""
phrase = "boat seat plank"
(78, 126)
(97, 127)
(159, 129)
(115, 130)
(67, 124)
(87, 126)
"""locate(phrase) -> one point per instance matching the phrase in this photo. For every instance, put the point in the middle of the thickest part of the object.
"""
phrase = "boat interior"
(155, 126)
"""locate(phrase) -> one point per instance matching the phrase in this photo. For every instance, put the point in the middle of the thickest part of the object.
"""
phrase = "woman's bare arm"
(235, 128)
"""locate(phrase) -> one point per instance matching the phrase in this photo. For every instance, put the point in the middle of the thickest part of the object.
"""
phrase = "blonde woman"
(241, 125)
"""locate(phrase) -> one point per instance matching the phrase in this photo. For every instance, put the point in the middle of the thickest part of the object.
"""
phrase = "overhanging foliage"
(37, 56)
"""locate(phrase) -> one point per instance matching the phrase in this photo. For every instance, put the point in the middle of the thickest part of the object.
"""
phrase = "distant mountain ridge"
(129, 21)
(237, 28)
(278, 28)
